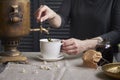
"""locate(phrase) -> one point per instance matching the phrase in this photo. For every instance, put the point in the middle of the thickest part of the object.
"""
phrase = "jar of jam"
(105, 48)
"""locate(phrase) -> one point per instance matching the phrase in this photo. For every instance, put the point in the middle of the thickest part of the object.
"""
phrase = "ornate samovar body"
(14, 24)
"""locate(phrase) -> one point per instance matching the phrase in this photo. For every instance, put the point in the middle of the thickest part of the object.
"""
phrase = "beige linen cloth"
(68, 69)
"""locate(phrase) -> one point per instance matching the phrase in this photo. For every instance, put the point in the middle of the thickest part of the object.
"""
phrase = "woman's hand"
(75, 46)
(44, 13)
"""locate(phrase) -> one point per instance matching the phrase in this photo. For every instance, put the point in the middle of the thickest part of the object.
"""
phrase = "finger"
(70, 47)
(44, 18)
(67, 42)
(40, 13)
(38, 9)
(71, 51)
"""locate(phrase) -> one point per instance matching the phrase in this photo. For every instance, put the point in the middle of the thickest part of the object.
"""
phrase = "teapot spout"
(41, 29)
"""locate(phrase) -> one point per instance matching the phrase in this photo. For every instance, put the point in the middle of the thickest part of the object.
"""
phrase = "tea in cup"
(50, 49)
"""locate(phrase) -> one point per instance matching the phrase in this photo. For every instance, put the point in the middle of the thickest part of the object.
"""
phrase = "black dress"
(92, 18)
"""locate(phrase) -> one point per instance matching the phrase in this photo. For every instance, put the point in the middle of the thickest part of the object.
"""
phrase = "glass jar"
(105, 48)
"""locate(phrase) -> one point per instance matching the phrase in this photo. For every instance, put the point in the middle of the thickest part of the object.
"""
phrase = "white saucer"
(53, 59)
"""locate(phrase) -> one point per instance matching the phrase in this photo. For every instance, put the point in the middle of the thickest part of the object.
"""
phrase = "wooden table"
(70, 68)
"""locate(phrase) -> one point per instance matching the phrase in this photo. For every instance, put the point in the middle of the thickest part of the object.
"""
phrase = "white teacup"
(50, 49)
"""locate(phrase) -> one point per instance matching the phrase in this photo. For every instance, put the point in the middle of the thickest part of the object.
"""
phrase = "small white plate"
(53, 59)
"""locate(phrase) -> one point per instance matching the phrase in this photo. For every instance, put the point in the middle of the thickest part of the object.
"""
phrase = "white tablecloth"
(70, 68)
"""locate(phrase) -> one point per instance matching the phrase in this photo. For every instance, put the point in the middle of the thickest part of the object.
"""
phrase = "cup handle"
(61, 43)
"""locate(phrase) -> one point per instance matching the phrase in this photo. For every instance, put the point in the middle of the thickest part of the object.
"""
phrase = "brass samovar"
(14, 24)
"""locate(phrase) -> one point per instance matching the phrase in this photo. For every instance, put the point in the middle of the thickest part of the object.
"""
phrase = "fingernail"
(41, 20)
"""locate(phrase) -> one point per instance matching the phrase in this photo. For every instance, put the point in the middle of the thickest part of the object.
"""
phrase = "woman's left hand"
(76, 46)
(73, 46)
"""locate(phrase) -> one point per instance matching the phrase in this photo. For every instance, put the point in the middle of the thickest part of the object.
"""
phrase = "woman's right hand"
(44, 13)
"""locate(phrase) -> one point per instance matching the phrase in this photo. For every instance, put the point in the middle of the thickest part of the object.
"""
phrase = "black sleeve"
(114, 35)
(64, 11)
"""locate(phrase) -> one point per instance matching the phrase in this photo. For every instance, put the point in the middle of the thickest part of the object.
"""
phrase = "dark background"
(30, 43)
